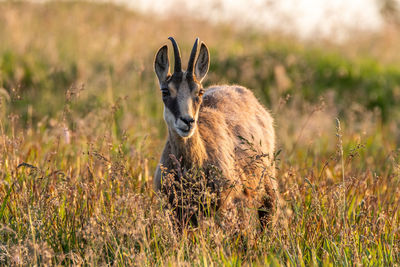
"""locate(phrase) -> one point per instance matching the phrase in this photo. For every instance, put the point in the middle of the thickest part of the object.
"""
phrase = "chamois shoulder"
(236, 109)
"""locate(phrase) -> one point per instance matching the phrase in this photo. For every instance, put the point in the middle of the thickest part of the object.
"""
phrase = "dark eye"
(201, 92)
(165, 92)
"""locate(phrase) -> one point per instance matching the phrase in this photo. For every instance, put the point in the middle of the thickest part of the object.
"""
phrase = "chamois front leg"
(157, 179)
(163, 162)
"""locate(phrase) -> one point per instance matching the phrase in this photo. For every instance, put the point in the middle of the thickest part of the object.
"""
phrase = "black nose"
(188, 120)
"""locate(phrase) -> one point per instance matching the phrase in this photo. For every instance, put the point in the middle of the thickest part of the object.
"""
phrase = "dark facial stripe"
(172, 104)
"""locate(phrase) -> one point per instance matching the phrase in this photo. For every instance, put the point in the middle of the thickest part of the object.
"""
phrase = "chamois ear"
(161, 64)
(202, 63)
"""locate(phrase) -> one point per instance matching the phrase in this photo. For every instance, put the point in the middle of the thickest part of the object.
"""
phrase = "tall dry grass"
(81, 131)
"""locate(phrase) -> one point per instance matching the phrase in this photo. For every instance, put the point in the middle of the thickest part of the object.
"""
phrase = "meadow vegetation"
(81, 131)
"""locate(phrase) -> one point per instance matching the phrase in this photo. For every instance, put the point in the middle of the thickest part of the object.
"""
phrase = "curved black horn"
(177, 55)
(192, 56)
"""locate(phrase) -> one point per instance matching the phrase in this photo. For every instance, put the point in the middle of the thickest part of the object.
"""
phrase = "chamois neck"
(190, 150)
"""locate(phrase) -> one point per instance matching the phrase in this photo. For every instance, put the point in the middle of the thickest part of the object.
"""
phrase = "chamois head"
(182, 91)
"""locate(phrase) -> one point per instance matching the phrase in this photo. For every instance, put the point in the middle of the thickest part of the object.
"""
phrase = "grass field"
(81, 131)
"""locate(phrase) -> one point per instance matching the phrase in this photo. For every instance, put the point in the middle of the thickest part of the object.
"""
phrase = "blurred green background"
(81, 131)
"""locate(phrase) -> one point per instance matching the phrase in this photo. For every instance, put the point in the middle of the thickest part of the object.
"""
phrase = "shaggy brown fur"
(235, 134)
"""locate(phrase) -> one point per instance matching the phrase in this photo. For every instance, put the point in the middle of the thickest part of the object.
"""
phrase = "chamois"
(222, 127)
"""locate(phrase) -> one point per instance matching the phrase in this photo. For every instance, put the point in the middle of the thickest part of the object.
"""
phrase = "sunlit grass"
(81, 131)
